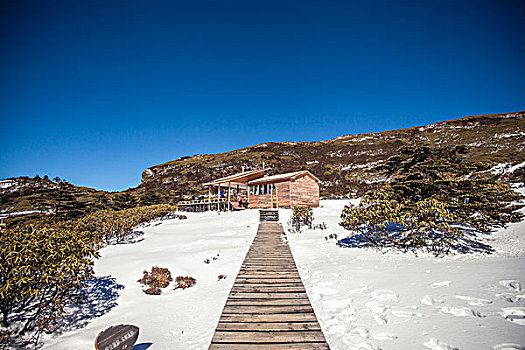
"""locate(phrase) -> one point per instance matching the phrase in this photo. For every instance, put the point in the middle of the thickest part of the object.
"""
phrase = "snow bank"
(177, 319)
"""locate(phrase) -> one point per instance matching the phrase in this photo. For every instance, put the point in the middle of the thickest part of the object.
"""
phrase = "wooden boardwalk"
(268, 307)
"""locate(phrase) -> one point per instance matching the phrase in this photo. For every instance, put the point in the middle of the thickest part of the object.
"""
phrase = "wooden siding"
(305, 192)
(263, 201)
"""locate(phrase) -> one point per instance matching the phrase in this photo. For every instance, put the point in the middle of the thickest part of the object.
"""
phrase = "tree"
(150, 198)
(420, 171)
(57, 179)
(430, 189)
(66, 202)
(41, 271)
(124, 200)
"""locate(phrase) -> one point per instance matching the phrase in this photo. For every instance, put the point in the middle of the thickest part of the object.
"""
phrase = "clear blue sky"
(97, 91)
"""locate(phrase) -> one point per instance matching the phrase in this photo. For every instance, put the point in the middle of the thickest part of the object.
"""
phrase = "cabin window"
(251, 190)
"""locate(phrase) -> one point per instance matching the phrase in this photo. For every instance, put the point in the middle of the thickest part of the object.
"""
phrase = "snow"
(360, 139)
(26, 212)
(363, 298)
(176, 319)
(506, 168)
(7, 183)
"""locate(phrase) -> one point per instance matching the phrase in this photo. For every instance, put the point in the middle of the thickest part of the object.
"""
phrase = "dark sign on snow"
(121, 337)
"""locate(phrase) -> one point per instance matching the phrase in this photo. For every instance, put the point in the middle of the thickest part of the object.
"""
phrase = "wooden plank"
(271, 337)
(266, 302)
(267, 275)
(269, 326)
(259, 309)
(244, 285)
(277, 274)
(275, 289)
(282, 346)
(244, 279)
(302, 317)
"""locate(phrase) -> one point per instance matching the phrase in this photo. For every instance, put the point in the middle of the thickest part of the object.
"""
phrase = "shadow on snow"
(100, 297)
(469, 242)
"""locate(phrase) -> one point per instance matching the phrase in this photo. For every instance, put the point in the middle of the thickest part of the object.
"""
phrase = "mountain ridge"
(485, 134)
(347, 165)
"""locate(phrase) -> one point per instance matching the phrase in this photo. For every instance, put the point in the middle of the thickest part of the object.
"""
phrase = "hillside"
(346, 165)
(33, 199)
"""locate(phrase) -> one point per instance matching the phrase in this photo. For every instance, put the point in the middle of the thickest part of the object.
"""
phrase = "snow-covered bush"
(301, 217)
(384, 222)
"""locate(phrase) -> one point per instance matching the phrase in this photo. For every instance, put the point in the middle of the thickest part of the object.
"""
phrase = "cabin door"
(274, 196)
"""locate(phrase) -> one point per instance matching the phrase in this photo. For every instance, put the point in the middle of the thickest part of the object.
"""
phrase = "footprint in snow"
(383, 336)
(360, 331)
(435, 344)
(440, 284)
(508, 346)
(377, 308)
(356, 343)
(380, 319)
(511, 298)
(334, 326)
(359, 290)
(460, 311)
(429, 300)
(406, 313)
(514, 314)
(335, 306)
(474, 301)
(514, 284)
(385, 295)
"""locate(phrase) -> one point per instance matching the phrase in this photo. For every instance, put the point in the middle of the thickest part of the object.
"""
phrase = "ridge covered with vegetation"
(348, 166)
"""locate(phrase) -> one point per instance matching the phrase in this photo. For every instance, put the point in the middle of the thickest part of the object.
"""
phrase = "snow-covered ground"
(176, 319)
(364, 299)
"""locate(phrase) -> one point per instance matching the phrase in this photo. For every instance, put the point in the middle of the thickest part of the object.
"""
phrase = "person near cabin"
(239, 199)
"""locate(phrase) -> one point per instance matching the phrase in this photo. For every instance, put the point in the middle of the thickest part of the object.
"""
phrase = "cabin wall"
(305, 192)
(263, 201)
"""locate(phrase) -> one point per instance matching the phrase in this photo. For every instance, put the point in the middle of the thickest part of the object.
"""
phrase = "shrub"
(109, 226)
(301, 216)
(384, 222)
(41, 271)
(184, 282)
(158, 278)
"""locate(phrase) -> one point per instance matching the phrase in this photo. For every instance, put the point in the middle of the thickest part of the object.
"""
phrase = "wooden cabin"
(300, 188)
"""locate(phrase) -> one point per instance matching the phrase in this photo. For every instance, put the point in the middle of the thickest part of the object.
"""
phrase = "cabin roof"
(240, 179)
(283, 177)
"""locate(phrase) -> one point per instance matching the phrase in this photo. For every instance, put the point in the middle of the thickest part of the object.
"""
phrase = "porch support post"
(209, 197)
(219, 198)
(228, 204)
